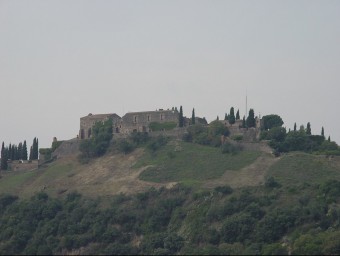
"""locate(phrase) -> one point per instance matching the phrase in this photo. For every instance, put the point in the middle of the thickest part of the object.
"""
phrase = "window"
(135, 119)
(148, 118)
(161, 116)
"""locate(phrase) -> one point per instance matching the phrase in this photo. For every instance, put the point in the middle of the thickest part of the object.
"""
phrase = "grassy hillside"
(191, 163)
(182, 198)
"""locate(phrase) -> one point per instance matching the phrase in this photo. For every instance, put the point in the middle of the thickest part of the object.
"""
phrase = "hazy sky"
(60, 60)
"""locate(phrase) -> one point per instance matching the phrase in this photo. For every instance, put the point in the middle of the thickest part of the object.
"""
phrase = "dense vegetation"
(99, 142)
(179, 220)
(296, 140)
(18, 152)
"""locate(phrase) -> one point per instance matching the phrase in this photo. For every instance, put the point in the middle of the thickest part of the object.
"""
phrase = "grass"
(162, 126)
(12, 182)
(27, 183)
(295, 168)
(192, 164)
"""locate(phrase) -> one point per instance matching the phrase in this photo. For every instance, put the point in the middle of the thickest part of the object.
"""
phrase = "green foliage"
(308, 129)
(225, 190)
(190, 164)
(230, 148)
(271, 183)
(270, 121)
(98, 144)
(250, 122)
(193, 118)
(156, 143)
(155, 126)
(180, 117)
(125, 146)
(231, 117)
(238, 115)
(4, 157)
(217, 128)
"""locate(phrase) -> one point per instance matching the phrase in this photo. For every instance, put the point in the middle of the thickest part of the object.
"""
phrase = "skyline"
(61, 60)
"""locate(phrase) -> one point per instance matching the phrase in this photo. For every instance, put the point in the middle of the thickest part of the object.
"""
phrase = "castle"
(140, 122)
(130, 122)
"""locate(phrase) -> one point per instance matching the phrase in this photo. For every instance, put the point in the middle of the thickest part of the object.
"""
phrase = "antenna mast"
(246, 104)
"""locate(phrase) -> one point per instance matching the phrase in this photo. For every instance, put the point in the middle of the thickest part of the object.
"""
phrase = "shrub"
(230, 148)
(125, 146)
(225, 190)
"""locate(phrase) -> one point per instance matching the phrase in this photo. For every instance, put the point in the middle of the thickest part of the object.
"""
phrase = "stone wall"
(67, 148)
(87, 122)
(139, 121)
(23, 165)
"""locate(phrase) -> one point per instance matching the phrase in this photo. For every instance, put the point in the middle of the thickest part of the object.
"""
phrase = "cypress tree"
(20, 151)
(10, 151)
(15, 153)
(251, 118)
(181, 118)
(329, 138)
(193, 118)
(24, 151)
(226, 116)
(294, 127)
(4, 157)
(238, 115)
(244, 122)
(217, 118)
(231, 118)
(322, 132)
(308, 129)
(31, 153)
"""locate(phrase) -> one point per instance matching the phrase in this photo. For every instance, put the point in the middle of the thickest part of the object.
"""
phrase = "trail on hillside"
(251, 175)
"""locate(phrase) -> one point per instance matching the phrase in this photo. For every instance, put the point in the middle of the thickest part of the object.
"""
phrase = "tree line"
(18, 152)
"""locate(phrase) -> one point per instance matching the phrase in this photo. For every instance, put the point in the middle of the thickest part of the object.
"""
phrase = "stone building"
(130, 122)
(140, 121)
(248, 134)
(87, 122)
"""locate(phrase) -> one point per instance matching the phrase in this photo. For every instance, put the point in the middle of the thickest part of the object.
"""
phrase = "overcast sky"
(60, 60)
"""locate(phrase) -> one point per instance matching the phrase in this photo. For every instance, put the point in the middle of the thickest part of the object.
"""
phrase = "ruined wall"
(23, 165)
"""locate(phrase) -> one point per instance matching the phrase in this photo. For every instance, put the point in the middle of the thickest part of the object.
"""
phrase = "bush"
(154, 126)
(271, 183)
(230, 148)
(225, 190)
(125, 146)
(157, 143)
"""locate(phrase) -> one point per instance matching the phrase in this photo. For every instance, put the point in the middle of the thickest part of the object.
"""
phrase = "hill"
(181, 198)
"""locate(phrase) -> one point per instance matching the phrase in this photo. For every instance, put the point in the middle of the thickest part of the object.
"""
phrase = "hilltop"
(196, 190)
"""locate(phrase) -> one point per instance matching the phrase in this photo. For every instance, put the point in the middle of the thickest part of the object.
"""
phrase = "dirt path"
(114, 174)
(250, 175)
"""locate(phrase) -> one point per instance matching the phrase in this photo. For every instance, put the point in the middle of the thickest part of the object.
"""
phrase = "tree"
(217, 118)
(193, 121)
(20, 151)
(238, 115)
(35, 149)
(329, 138)
(180, 117)
(231, 118)
(308, 129)
(24, 151)
(31, 153)
(226, 117)
(322, 132)
(4, 157)
(270, 121)
(251, 118)
(294, 127)
(244, 122)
